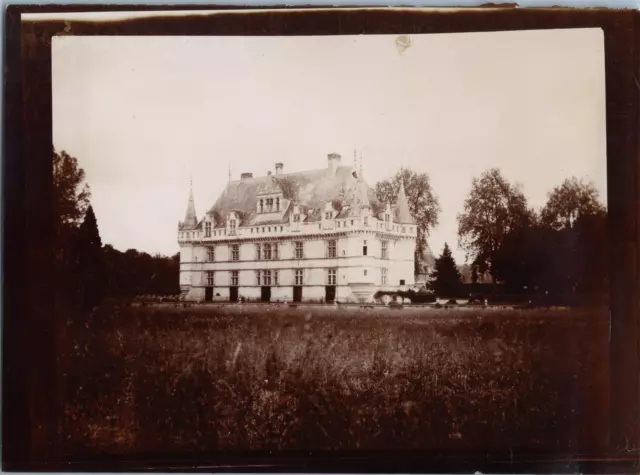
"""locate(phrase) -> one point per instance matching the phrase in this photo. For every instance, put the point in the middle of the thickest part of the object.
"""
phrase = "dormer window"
(328, 215)
(296, 218)
(270, 204)
(262, 206)
(232, 226)
(366, 220)
(207, 229)
(277, 204)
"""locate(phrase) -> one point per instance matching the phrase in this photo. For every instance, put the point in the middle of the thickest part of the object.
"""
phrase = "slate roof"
(401, 212)
(313, 189)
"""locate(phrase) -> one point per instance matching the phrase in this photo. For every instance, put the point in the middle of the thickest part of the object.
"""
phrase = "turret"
(401, 214)
(190, 218)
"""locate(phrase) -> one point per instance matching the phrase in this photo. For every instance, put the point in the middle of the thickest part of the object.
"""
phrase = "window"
(267, 252)
(364, 248)
(210, 278)
(251, 230)
(352, 222)
(275, 277)
(331, 248)
(234, 278)
(235, 253)
(263, 229)
(211, 254)
(277, 204)
(258, 277)
(365, 272)
(401, 281)
(207, 229)
(274, 250)
(299, 279)
(404, 230)
(266, 277)
(366, 220)
(258, 253)
(331, 277)
(296, 218)
(232, 227)
(383, 276)
(299, 253)
(338, 224)
(385, 249)
(280, 228)
(387, 221)
(328, 215)
(262, 206)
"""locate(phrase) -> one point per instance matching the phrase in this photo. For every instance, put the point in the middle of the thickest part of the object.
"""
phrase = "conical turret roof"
(190, 218)
(401, 212)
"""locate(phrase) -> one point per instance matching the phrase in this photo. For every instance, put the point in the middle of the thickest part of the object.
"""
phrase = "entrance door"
(208, 294)
(233, 294)
(297, 293)
(265, 294)
(330, 293)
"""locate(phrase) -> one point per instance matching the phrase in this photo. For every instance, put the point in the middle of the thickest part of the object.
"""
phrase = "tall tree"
(446, 276)
(493, 209)
(90, 261)
(70, 200)
(423, 204)
(569, 201)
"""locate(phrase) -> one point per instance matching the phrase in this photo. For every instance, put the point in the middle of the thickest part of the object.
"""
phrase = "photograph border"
(29, 364)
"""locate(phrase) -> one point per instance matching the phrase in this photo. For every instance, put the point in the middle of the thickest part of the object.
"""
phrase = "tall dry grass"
(247, 377)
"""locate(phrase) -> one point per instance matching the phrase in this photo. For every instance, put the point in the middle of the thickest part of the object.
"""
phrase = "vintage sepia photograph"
(338, 242)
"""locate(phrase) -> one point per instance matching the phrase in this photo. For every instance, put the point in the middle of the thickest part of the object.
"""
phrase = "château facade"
(319, 235)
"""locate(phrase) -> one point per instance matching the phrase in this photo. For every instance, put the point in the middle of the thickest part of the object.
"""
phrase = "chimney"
(333, 162)
(245, 176)
(279, 167)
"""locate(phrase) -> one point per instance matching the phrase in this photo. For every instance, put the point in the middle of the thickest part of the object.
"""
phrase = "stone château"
(318, 235)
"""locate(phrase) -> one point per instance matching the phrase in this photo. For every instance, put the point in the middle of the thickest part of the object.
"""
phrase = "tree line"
(560, 249)
(88, 271)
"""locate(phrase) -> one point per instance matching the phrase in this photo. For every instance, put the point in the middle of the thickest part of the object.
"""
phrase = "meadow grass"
(323, 378)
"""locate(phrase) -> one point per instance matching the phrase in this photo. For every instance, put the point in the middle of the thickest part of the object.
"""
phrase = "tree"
(70, 200)
(423, 204)
(494, 209)
(446, 276)
(89, 261)
(569, 201)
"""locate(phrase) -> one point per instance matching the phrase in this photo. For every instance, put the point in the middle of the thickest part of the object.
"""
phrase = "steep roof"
(401, 212)
(190, 218)
(310, 189)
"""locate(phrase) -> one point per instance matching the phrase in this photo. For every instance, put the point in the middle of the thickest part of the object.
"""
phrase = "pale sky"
(145, 114)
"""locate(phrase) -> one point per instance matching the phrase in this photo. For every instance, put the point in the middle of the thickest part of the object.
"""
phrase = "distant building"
(318, 235)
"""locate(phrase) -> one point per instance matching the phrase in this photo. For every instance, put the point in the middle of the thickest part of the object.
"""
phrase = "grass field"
(272, 377)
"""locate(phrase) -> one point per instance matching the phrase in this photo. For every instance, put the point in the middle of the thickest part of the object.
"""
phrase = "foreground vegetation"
(272, 377)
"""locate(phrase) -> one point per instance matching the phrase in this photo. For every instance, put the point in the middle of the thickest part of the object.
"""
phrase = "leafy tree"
(494, 209)
(446, 276)
(423, 204)
(90, 262)
(568, 202)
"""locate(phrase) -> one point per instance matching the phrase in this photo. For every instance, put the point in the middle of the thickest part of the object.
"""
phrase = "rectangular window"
(385, 249)
(404, 229)
(211, 254)
(274, 250)
(262, 206)
(207, 229)
(352, 222)
(401, 281)
(232, 227)
(234, 278)
(331, 248)
(277, 204)
(267, 252)
(338, 224)
(296, 218)
(210, 278)
(364, 248)
(258, 253)
(383, 276)
(331, 277)
(266, 277)
(299, 253)
(258, 277)
(280, 228)
(366, 220)
(299, 277)
(235, 252)
(275, 278)
(328, 215)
